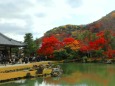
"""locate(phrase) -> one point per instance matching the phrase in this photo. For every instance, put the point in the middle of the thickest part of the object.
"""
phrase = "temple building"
(6, 44)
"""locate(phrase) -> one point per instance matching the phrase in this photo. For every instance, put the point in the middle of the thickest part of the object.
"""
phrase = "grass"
(20, 71)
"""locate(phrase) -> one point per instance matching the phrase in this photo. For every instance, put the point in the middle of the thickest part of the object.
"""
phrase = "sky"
(18, 17)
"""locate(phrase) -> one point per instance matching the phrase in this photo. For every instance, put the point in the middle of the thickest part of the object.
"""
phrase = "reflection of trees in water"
(73, 67)
(39, 80)
(79, 79)
(112, 81)
(52, 81)
(15, 83)
(32, 82)
(70, 68)
(26, 82)
(95, 73)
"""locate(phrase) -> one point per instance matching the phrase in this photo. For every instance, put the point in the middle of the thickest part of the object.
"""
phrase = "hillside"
(106, 22)
(63, 31)
(96, 39)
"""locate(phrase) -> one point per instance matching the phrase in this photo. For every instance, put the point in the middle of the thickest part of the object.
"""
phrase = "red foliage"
(113, 34)
(49, 50)
(110, 53)
(97, 44)
(84, 48)
(50, 40)
(49, 44)
(68, 40)
(100, 34)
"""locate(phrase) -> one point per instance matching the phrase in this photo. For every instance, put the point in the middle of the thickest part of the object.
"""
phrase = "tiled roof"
(6, 41)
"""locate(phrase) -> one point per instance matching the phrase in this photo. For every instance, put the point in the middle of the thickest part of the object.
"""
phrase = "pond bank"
(19, 71)
(91, 60)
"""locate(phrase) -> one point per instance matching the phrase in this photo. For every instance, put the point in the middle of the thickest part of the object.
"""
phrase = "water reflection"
(75, 74)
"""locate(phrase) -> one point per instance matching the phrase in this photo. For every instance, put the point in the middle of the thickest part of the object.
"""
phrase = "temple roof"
(6, 41)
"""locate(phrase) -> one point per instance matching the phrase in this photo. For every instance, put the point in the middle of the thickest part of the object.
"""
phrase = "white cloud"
(18, 22)
(15, 36)
(39, 16)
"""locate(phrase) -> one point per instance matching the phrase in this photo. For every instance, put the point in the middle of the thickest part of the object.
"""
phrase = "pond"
(74, 74)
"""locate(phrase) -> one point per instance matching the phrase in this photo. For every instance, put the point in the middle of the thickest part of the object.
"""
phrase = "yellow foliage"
(74, 33)
(75, 45)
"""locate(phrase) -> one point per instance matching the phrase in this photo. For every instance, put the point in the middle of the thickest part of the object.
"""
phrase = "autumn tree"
(97, 44)
(49, 44)
(75, 45)
(71, 46)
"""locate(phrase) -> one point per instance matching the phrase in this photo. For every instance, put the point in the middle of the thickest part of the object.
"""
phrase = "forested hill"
(72, 41)
(63, 31)
(106, 22)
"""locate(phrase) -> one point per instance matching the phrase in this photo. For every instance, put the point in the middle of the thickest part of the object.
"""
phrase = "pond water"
(74, 74)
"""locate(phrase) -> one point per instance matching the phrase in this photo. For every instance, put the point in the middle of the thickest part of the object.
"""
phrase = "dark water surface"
(74, 74)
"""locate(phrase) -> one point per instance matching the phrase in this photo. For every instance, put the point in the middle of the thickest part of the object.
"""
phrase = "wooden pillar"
(10, 52)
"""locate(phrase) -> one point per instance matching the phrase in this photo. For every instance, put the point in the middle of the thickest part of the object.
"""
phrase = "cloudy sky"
(18, 17)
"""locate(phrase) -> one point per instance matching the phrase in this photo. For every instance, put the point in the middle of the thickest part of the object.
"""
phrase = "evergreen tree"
(31, 45)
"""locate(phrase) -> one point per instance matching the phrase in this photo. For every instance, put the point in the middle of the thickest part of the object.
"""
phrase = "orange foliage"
(75, 45)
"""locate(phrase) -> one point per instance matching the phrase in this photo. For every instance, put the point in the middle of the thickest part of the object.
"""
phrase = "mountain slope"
(108, 22)
(105, 23)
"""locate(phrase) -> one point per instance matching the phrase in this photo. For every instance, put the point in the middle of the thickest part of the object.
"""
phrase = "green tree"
(110, 39)
(60, 54)
(31, 45)
(84, 36)
(113, 42)
(93, 37)
(107, 35)
(99, 53)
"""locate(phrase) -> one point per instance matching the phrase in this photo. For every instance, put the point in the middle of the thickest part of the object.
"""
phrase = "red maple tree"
(49, 44)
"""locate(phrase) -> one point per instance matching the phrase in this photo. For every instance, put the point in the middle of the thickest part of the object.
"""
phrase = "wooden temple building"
(6, 44)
